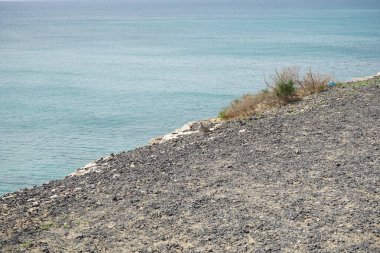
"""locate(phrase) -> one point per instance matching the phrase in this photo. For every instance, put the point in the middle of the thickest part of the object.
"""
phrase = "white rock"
(242, 131)
(187, 129)
(8, 197)
(92, 166)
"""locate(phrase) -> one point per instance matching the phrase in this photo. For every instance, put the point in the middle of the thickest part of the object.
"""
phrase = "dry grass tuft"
(285, 75)
(285, 86)
(313, 83)
(250, 104)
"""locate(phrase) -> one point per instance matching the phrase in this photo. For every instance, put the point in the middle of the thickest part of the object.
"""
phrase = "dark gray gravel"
(304, 178)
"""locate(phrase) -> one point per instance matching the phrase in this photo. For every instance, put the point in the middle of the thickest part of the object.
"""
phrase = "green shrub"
(222, 114)
(285, 90)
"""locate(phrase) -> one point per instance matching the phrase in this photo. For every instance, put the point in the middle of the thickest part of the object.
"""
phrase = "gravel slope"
(304, 178)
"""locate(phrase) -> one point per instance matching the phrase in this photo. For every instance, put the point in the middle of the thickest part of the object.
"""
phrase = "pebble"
(32, 210)
(116, 176)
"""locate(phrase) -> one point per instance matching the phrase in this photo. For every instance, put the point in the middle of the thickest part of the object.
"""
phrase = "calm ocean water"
(81, 80)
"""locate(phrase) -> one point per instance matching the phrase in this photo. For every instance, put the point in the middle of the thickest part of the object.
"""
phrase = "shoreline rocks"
(189, 128)
(366, 78)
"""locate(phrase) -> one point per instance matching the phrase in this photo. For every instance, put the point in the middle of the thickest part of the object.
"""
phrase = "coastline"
(189, 128)
(301, 178)
(58, 118)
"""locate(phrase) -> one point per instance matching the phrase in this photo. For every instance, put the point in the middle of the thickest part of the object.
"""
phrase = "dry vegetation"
(313, 83)
(284, 87)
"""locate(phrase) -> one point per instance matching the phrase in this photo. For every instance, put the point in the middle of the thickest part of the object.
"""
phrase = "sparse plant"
(285, 90)
(47, 225)
(313, 83)
(238, 108)
(360, 83)
(27, 244)
(285, 75)
(284, 83)
(285, 86)
(250, 104)
(222, 114)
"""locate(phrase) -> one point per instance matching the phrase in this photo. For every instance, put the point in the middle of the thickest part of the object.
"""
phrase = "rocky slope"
(304, 178)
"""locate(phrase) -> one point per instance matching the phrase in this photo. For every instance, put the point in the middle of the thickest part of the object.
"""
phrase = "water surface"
(82, 80)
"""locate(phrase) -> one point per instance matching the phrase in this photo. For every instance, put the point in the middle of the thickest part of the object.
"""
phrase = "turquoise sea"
(81, 80)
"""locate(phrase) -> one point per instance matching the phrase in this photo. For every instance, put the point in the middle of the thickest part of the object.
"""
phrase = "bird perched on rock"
(204, 129)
